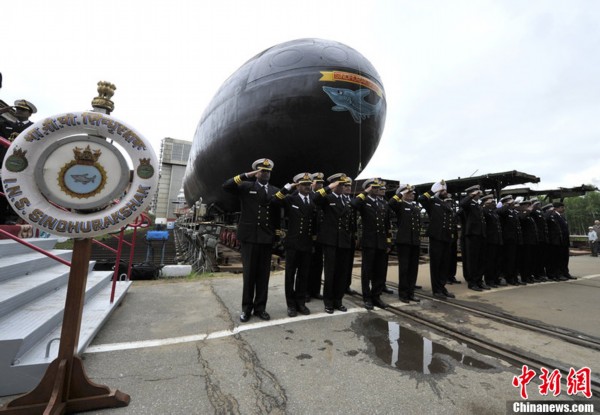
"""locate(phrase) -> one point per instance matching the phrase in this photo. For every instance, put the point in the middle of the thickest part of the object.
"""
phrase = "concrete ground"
(177, 347)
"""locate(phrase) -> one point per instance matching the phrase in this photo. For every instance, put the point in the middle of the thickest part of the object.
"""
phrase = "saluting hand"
(334, 185)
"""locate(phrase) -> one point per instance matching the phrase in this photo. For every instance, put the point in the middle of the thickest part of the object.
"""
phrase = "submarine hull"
(308, 105)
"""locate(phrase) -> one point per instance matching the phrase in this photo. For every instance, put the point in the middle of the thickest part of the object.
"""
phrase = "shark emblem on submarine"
(352, 101)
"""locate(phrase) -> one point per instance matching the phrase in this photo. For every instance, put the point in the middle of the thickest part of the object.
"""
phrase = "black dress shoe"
(317, 296)
(329, 310)
(341, 308)
(387, 290)
(449, 294)
(350, 291)
(483, 286)
(380, 304)
(244, 317)
(302, 309)
(475, 287)
(441, 296)
(418, 287)
(570, 277)
(291, 312)
(414, 299)
(368, 305)
(455, 281)
(263, 315)
(502, 282)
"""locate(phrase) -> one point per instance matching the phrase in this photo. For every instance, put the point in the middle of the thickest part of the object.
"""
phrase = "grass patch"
(193, 276)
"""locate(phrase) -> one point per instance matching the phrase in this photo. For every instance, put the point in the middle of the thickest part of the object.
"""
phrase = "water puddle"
(405, 349)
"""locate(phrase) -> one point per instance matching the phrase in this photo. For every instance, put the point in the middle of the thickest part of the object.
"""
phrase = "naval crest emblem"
(84, 176)
(145, 169)
(17, 162)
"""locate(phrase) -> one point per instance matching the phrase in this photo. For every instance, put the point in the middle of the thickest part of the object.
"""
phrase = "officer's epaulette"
(427, 195)
(322, 192)
(279, 195)
(361, 196)
(396, 198)
(238, 179)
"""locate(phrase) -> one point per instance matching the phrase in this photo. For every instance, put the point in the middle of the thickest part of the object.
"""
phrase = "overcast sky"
(472, 87)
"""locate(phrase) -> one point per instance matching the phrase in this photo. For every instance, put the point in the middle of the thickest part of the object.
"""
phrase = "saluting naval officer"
(298, 242)
(493, 243)
(474, 233)
(334, 236)
(316, 260)
(440, 236)
(23, 110)
(9, 130)
(530, 240)
(382, 198)
(375, 242)
(554, 242)
(354, 235)
(540, 249)
(408, 240)
(452, 263)
(510, 238)
(256, 233)
(559, 211)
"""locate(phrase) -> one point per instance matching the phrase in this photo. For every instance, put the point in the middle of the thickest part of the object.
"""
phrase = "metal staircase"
(32, 299)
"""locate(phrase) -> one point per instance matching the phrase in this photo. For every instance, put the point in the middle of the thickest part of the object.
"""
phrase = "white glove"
(498, 205)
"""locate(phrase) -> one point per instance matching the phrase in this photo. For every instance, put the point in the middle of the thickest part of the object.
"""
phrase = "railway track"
(561, 333)
(512, 355)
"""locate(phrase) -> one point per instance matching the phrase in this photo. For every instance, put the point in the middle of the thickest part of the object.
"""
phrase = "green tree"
(581, 211)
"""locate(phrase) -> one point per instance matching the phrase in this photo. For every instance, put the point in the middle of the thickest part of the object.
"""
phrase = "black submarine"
(307, 104)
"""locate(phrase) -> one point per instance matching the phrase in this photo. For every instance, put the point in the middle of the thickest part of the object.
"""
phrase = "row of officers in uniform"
(501, 241)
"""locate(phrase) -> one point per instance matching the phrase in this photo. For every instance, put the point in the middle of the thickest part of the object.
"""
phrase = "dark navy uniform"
(335, 238)
(9, 129)
(510, 239)
(474, 228)
(408, 244)
(493, 246)
(560, 241)
(353, 230)
(375, 241)
(526, 251)
(298, 244)
(316, 260)
(540, 253)
(256, 233)
(452, 263)
(440, 236)
(555, 241)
